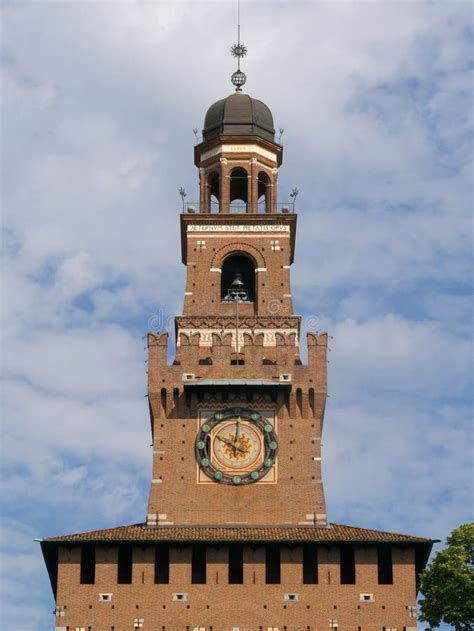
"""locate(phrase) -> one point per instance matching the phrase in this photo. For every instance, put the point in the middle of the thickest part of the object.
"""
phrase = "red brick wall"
(249, 606)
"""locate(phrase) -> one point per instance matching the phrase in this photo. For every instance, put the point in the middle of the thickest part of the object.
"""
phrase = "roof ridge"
(214, 532)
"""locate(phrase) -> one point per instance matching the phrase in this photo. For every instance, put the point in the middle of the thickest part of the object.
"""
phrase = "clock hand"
(237, 433)
(225, 440)
(231, 443)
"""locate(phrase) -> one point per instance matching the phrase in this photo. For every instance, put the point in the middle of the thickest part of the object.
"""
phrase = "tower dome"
(238, 115)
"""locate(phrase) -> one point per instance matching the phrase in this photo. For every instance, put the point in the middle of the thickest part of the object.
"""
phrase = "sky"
(100, 99)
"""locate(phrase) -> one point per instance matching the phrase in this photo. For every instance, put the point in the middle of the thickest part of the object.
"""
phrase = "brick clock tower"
(236, 535)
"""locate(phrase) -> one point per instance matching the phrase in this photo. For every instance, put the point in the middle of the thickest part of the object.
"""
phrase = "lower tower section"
(184, 578)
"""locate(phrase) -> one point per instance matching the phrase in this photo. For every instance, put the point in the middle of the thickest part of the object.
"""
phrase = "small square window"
(367, 598)
(105, 598)
(291, 597)
(180, 597)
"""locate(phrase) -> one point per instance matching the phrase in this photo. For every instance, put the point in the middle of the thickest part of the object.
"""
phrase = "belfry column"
(203, 192)
(224, 202)
(253, 187)
(273, 192)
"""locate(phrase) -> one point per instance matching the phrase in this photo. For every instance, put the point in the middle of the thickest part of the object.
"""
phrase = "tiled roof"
(331, 533)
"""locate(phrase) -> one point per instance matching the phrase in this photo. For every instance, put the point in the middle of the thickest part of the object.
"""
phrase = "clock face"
(236, 446)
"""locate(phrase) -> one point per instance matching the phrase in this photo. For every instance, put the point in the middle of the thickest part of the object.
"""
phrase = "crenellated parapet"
(258, 349)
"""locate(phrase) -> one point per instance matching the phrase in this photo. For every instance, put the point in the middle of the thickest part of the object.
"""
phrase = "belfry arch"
(239, 194)
(213, 191)
(240, 247)
(238, 268)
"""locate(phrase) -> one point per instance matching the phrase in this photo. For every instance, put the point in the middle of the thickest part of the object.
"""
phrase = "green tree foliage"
(447, 584)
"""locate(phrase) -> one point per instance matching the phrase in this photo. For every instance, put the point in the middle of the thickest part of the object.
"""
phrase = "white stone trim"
(247, 236)
(238, 149)
(237, 228)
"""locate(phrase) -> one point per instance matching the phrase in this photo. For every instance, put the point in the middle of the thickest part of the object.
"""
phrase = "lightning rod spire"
(238, 50)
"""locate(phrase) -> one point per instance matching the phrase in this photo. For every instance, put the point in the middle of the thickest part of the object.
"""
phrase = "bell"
(237, 289)
(237, 283)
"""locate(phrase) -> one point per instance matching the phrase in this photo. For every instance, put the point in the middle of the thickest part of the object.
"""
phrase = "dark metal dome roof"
(238, 114)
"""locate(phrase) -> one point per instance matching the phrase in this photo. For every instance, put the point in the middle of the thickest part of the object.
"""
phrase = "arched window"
(238, 190)
(238, 275)
(263, 192)
(213, 187)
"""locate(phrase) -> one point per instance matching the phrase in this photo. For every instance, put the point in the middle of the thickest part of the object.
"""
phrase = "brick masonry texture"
(251, 605)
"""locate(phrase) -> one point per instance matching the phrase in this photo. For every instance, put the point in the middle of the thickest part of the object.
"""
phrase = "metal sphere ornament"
(238, 79)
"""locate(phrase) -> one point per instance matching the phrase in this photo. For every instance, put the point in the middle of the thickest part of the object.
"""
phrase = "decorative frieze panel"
(246, 337)
(221, 323)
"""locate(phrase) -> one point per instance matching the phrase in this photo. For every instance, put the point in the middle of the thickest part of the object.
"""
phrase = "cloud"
(19, 552)
(396, 356)
(100, 100)
(402, 446)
